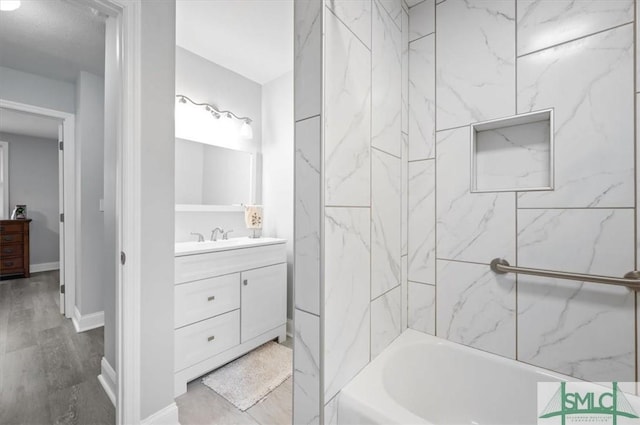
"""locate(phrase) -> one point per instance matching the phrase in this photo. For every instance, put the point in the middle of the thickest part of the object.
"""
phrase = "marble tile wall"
(493, 59)
(307, 361)
(350, 200)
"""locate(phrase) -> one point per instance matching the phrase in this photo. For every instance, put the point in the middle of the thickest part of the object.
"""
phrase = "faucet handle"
(225, 235)
(199, 235)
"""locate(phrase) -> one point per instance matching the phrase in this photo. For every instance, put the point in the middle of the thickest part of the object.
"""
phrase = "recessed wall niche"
(513, 154)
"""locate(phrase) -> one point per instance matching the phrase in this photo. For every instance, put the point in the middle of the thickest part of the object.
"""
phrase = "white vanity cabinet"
(229, 299)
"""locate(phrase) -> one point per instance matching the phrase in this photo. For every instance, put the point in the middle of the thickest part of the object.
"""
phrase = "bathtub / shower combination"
(421, 379)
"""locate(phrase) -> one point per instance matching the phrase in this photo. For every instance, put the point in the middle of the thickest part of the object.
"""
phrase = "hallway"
(48, 372)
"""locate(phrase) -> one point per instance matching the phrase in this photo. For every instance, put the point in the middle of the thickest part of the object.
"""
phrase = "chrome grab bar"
(631, 280)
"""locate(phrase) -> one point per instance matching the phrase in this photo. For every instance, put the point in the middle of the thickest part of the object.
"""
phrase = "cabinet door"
(263, 300)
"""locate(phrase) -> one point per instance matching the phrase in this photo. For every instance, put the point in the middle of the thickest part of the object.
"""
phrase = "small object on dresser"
(253, 218)
(19, 213)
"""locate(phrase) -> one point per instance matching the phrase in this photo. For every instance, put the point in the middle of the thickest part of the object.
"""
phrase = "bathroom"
(432, 137)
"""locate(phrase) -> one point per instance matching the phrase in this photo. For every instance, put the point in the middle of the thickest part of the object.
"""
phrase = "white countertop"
(191, 248)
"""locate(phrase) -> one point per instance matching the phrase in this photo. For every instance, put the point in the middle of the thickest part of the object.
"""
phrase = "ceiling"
(52, 38)
(251, 37)
(26, 124)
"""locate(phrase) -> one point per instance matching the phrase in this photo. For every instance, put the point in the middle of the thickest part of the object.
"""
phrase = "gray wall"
(157, 91)
(32, 89)
(89, 174)
(277, 165)
(33, 180)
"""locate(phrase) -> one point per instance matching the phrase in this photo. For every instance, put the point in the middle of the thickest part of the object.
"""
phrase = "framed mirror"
(213, 178)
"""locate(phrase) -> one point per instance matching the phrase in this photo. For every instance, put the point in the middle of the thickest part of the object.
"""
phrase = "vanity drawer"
(202, 299)
(11, 228)
(198, 342)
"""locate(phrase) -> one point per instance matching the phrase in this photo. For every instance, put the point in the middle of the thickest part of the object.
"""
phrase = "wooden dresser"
(14, 248)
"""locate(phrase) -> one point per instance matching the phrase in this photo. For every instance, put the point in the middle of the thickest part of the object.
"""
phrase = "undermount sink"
(188, 248)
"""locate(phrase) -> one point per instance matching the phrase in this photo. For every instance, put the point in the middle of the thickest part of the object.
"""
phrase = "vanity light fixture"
(9, 5)
(245, 130)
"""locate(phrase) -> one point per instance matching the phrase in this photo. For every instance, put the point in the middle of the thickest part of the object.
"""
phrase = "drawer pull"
(211, 298)
(211, 338)
(8, 263)
(7, 251)
(8, 238)
(245, 282)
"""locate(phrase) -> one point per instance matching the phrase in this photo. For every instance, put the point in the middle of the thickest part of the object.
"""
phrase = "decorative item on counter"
(19, 213)
(253, 218)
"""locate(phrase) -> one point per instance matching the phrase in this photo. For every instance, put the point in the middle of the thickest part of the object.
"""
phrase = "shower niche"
(513, 154)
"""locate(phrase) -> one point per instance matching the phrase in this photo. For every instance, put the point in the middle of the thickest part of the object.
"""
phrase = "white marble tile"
(638, 232)
(514, 157)
(589, 83)
(422, 98)
(422, 221)
(542, 24)
(356, 15)
(585, 330)
(306, 369)
(594, 241)
(470, 226)
(405, 192)
(347, 117)
(307, 58)
(307, 215)
(347, 296)
(637, 59)
(394, 9)
(331, 411)
(476, 307)
(386, 222)
(405, 72)
(476, 61)
(422, 19)
(405, 293)
(386, 320)
(386, 90)
(422, 307)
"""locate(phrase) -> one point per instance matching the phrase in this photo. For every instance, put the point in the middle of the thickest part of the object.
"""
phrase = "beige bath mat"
(248, 379)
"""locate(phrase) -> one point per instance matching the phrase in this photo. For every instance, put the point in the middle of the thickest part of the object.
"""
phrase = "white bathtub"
(421, 379)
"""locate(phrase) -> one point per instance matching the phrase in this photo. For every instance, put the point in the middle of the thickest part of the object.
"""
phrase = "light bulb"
(9, 5)
(245, 131)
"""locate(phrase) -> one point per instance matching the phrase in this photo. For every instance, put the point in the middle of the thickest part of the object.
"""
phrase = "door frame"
(68, 265)
(124, 30)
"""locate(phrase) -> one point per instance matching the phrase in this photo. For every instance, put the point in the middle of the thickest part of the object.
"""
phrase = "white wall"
(157, 200)
(31, 89)
(89, 189)
(277, 167)
(205, 81)
(33, 180)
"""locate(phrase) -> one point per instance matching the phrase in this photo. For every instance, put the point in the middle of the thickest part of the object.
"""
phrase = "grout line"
(575, 208)
(371, 180)
(421, 37)
(463, 261)
(420, 2)
(435, 169)
(421, 283)
(348, 28)
(347, 206)
(307, 312)
(635, 147)
(450, 128)
(322, 218)
(386, 292)
(413, 161)
(385, 152)
(572, 40)
(307, 118)
(515, 66)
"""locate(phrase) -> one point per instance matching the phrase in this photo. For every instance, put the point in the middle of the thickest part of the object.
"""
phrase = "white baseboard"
(44, 267)
(88, 321)
(166, 416)
(290, 328)
(107, 379)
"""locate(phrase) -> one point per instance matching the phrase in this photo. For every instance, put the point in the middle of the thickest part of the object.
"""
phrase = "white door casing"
(61, 211)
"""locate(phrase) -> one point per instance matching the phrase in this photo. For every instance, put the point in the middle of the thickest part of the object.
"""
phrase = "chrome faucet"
(214, 233)
(225, 235)
(199, 235)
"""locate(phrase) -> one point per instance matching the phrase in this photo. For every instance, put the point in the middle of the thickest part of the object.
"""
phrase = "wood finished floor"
(200, 405)
(48, 372)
